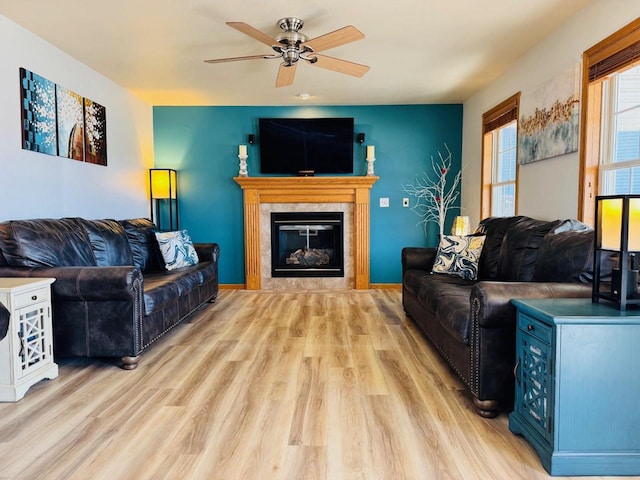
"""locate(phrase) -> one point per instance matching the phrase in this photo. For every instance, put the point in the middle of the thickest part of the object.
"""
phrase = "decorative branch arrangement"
(435, 194)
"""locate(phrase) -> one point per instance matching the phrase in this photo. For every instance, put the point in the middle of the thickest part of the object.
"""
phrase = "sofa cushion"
(411, 280)
(433, 288)
(144, 247)
(207, 271)
(188, 281)
(459, 255)
(519, 250)
(453, 313)
(177, 249)
(166, 287)
(108, 242)
(45, 243)
(565, 257)
(494, 229)
(160, 290)
(445, 297)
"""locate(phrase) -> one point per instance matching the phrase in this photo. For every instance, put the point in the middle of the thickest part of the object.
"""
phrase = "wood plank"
(335, 385)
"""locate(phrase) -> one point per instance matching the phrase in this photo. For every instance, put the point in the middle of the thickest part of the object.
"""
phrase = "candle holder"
(370, 161)
(243, 166)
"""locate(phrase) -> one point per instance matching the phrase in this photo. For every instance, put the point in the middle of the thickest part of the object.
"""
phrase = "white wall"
(35, 185)
(549, 188)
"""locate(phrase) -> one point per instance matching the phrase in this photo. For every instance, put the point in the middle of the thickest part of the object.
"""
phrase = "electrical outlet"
(405, 202)
(384, 202)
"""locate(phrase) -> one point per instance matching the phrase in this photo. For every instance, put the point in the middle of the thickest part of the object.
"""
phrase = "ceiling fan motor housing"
(290, 24)
(292, 39)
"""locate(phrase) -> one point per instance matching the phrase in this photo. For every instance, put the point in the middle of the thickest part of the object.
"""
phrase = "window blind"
(615, 62)
(502, 114)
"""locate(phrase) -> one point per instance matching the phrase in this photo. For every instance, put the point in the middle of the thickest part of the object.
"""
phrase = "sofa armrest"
(418, 258)
(490, 301)
(86, 283)
(207, 251)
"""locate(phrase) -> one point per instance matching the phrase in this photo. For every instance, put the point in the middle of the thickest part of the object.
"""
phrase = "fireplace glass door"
(307, 244)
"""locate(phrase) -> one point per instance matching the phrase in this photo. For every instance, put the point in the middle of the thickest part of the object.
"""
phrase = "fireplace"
(307, 244)
(263, 195)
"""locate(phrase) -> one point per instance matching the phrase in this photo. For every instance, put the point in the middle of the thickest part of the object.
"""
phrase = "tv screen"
(295, 145)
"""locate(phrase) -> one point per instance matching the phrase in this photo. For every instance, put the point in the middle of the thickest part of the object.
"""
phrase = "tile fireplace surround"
(320, 193)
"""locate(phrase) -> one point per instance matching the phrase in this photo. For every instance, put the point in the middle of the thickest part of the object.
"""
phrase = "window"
(499, 166)
(610, 119)
(620, 157)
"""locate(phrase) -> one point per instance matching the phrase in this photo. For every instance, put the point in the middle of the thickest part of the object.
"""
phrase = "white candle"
(242, 150)
(371, 151)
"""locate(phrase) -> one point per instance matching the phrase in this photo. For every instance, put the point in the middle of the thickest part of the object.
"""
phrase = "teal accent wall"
(202, 144)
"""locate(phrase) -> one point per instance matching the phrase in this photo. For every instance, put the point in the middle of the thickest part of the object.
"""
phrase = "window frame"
(610, 55)
(610, 113)
(497, 117)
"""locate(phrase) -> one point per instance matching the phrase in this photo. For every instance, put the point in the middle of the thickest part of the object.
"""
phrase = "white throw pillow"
(177, 249)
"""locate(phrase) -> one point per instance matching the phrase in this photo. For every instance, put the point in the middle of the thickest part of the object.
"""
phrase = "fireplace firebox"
(307, 244)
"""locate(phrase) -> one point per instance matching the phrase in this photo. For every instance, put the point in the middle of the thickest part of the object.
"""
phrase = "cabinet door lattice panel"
(31, 330)
(535, 394)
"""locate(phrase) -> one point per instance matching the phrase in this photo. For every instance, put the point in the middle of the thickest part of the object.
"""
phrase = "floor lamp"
(163, 191)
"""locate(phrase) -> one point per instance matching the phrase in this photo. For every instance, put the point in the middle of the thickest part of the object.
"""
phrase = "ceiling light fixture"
(304, 96)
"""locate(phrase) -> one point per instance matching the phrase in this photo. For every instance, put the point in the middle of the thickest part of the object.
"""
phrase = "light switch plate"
(405, 202)
(384, 202)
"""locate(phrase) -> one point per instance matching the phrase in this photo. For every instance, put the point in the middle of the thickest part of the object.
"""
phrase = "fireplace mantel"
(351, 189)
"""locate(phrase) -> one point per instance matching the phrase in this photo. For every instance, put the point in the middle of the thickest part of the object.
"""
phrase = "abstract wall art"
(58, 121)
(38, 113)
(549, 118)
(95, 122)
(70, 124)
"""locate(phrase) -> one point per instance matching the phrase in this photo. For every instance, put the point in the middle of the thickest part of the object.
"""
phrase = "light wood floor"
(331, 385)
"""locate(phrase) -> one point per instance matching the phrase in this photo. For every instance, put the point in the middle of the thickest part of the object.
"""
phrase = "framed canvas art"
(70, 124)
(549, 118)
(95, 122)
(38, 113)
(58, 121)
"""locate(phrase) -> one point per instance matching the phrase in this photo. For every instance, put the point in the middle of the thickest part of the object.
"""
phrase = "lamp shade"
(460, 225)
(163, 192)
(609, 228)
(617, 239)
(164, 183)
(611, 218)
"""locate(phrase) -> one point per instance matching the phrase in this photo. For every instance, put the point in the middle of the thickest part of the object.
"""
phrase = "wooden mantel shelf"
(318, 189)
(348, 189)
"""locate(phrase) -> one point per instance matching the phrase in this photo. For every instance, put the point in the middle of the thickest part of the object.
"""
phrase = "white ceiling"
(419, 51)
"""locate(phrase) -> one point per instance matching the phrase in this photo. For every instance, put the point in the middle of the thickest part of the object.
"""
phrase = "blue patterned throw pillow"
(177, 249)
(459, 255)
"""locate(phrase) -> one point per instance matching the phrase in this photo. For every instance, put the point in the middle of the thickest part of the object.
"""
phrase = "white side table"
(26, 353)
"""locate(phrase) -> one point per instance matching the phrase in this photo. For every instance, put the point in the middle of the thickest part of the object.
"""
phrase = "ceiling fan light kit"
(292, 46)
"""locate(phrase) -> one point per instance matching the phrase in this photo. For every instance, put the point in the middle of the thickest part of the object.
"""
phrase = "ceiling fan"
(292, 46)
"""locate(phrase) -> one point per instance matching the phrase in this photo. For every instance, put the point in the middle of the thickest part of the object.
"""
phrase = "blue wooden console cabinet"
(577, 394)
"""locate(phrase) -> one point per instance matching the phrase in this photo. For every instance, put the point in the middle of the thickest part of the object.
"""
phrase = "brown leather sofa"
(472, 322)
(112, 296)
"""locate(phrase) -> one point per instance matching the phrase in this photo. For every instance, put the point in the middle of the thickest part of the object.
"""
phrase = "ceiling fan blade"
(286, 75)
(333, 39)
(234, 59)
(253, 33)
(341, 66)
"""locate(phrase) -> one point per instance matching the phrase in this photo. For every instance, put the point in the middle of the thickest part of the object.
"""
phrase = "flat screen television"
(306, 145)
